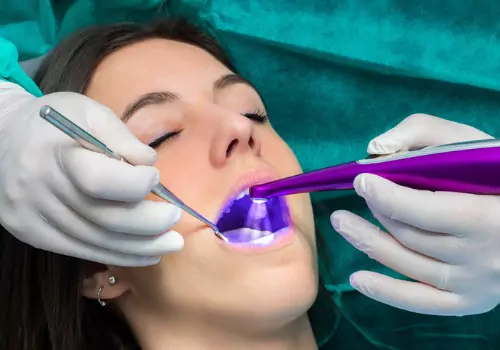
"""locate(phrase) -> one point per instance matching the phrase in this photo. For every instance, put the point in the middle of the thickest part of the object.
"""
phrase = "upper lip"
(255, 177)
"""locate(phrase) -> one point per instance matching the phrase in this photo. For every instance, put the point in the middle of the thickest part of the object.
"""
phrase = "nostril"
(231, 147)
(251, 142)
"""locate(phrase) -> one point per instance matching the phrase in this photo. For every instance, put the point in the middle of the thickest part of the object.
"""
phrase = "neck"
(187, 334)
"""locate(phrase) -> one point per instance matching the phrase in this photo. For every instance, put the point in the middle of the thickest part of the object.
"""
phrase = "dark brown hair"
(40, 302)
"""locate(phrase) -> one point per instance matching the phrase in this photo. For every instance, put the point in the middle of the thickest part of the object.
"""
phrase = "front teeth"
(249, 235)
(263, 240)
(243, 194)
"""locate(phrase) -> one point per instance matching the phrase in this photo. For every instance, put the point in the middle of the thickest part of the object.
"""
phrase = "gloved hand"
(58, 196)
(448, 242)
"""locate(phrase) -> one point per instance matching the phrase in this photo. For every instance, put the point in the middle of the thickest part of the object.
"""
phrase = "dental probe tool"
(466, 167)
(90, 142)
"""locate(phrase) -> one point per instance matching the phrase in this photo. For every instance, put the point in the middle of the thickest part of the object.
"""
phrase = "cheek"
(183, 179)
(168, 163)
(276, 152)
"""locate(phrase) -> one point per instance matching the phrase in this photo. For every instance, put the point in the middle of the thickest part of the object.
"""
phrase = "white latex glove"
(57, 196)
(449, 242)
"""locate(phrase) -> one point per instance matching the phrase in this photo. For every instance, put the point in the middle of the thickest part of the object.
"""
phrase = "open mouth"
(243, 221)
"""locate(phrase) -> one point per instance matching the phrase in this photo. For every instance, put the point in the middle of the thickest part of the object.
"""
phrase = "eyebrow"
(229, 80)
(161, 97)
(151, 98)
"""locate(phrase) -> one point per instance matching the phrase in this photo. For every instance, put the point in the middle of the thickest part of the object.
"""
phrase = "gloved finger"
(382, 247)
(99, 176)
(444, 247)
(103, 124)
(143, 217)
(458, 214)
(422, 130)
(67, 221)
(70, 246)
(17, 96)
(411, 296)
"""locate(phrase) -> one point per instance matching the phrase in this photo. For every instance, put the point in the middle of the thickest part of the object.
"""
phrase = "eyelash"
(257, 116)
(161, 140)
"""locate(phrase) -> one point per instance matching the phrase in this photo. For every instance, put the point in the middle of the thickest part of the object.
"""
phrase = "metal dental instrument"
(90, 142)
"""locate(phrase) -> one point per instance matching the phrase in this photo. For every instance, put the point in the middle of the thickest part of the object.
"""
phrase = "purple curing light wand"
(468, 167)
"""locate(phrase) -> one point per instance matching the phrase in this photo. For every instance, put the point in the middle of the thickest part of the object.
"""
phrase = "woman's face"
(160, 87)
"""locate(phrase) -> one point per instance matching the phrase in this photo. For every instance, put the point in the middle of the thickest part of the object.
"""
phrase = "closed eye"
(257, 116)
(161, 140)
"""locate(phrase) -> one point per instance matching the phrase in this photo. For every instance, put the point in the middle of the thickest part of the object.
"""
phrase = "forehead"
(153, 65)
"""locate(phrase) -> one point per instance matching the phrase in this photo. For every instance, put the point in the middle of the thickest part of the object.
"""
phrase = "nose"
(236, 135)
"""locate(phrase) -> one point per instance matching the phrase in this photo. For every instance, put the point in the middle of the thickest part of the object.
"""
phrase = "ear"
(101, 279)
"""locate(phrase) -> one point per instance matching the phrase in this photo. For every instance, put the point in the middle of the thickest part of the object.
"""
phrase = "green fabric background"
(334, 74)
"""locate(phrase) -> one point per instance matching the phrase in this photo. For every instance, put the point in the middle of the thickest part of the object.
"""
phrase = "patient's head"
(175, 90)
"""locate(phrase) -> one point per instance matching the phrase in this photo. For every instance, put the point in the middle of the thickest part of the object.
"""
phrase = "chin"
(281, 292)
(287, 297)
